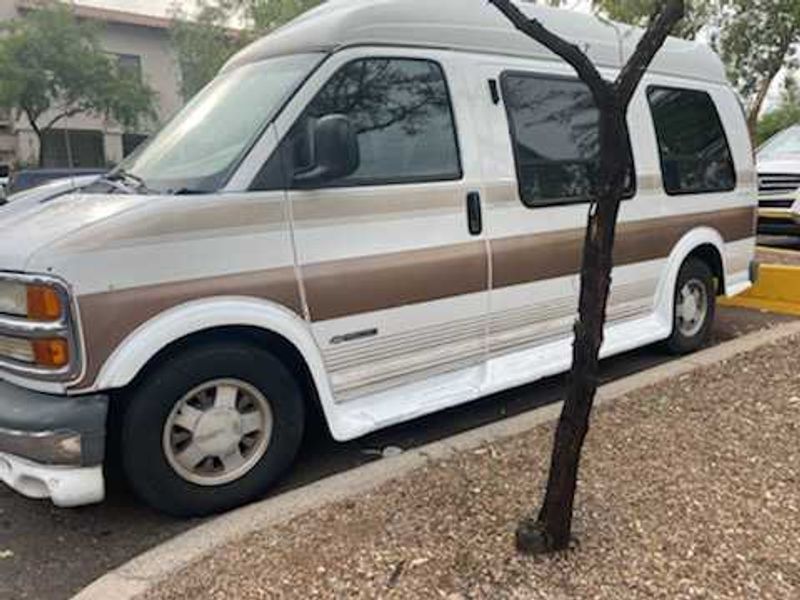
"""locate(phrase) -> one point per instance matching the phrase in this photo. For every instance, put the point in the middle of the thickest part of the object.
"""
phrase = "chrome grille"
(773, 203)
(773, 182)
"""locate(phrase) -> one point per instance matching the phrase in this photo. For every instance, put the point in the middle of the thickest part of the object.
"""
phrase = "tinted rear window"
(695, 156)
(555, 134)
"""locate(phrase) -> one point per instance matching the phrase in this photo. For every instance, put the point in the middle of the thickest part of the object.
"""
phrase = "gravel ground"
(691, 489)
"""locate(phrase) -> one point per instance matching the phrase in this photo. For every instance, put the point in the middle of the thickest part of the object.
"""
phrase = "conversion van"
(377, 210)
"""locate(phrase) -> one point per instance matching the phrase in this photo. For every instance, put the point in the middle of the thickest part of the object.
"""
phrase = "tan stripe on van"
(526, 258)
(109, 317)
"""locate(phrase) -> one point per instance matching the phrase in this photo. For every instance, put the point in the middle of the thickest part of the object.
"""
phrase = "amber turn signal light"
(51, 353)
(44, 303)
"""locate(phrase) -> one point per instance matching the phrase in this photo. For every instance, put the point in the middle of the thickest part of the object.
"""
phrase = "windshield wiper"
(132, 183)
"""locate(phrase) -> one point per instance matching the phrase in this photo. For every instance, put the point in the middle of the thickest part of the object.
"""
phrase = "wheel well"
(709, 254)
(283, 349)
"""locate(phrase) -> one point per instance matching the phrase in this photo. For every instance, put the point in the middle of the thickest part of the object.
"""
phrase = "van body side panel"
(392, 295)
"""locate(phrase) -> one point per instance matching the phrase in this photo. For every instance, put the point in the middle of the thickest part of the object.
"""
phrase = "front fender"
(150, 338)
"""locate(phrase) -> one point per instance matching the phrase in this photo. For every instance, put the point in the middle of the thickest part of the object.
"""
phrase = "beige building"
(139, 42)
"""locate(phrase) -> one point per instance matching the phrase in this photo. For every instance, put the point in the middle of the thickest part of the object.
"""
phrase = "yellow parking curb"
(777, 290)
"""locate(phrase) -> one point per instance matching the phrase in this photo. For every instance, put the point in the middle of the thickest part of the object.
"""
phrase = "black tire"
(693, 270)
(144, 462)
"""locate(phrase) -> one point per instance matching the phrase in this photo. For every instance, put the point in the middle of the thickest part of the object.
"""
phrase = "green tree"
(785, 115)
(206, 40)
(758, 39)
(637, 12)
(53, 67)
(204, 43)
(266, 15)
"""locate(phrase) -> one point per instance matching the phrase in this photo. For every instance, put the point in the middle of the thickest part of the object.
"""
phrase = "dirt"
(689, 489)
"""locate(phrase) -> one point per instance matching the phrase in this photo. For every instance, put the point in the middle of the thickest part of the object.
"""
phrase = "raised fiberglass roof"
(473, 26)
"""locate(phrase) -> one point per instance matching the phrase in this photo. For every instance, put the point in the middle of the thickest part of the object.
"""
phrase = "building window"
(400, 110)
(73, 149)
(131, 141)
(695, 156)
(555, 136)
(130, 65)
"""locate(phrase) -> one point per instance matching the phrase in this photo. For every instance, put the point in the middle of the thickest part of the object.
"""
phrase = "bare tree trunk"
(39, 135)
(551, 529)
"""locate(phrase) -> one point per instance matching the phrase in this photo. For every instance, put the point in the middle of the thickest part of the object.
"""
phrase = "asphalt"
(49, 553)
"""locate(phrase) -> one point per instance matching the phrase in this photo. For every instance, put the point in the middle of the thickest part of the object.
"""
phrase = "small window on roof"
(554, 129)
(695, 156)
(400, 109)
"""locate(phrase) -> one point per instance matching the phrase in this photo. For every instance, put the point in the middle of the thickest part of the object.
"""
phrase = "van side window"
(401, 114)
(695, 156)
(554, 130)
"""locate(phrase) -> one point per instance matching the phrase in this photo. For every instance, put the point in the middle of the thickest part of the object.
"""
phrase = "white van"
(377, 210)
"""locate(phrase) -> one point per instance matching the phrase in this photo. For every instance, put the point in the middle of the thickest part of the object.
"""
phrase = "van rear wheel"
(694, 308)
(211, 429)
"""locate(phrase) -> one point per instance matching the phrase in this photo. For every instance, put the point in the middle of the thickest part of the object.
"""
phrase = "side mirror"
(334, 148)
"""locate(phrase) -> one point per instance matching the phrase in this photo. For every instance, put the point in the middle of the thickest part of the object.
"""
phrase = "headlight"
(34, 301)
(17, 349)
(37, 335)
(13, 298)
(49, 353)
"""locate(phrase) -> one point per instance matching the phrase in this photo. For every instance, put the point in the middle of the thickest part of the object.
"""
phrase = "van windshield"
(199, 148)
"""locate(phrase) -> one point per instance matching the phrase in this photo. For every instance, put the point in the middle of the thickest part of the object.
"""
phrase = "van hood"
(784, 165)
(30, 223)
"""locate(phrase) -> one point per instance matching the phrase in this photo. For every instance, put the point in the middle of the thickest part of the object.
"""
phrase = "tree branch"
(661, 23)
(571, 53)
(67, 113)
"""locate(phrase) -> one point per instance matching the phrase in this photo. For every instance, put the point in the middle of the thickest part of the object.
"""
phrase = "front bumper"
(52, 446)
(779, 220)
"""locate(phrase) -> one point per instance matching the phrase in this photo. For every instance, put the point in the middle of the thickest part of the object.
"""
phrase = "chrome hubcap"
(691, 308)
(217, 432)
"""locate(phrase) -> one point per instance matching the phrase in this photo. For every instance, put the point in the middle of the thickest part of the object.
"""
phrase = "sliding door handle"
(474, 213)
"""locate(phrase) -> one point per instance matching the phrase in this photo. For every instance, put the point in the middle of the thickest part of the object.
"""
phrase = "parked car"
(5, 170)
(778, 184)
(30, 178)
(377, 210)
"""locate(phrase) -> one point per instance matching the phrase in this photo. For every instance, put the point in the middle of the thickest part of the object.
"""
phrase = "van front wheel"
(211, 429)
(694, 308)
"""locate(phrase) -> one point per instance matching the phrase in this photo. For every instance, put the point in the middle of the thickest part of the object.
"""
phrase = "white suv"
(778, 184)
(4, 173)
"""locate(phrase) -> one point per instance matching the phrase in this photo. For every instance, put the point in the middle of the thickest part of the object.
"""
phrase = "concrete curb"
(146, 571)
(777, 290)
